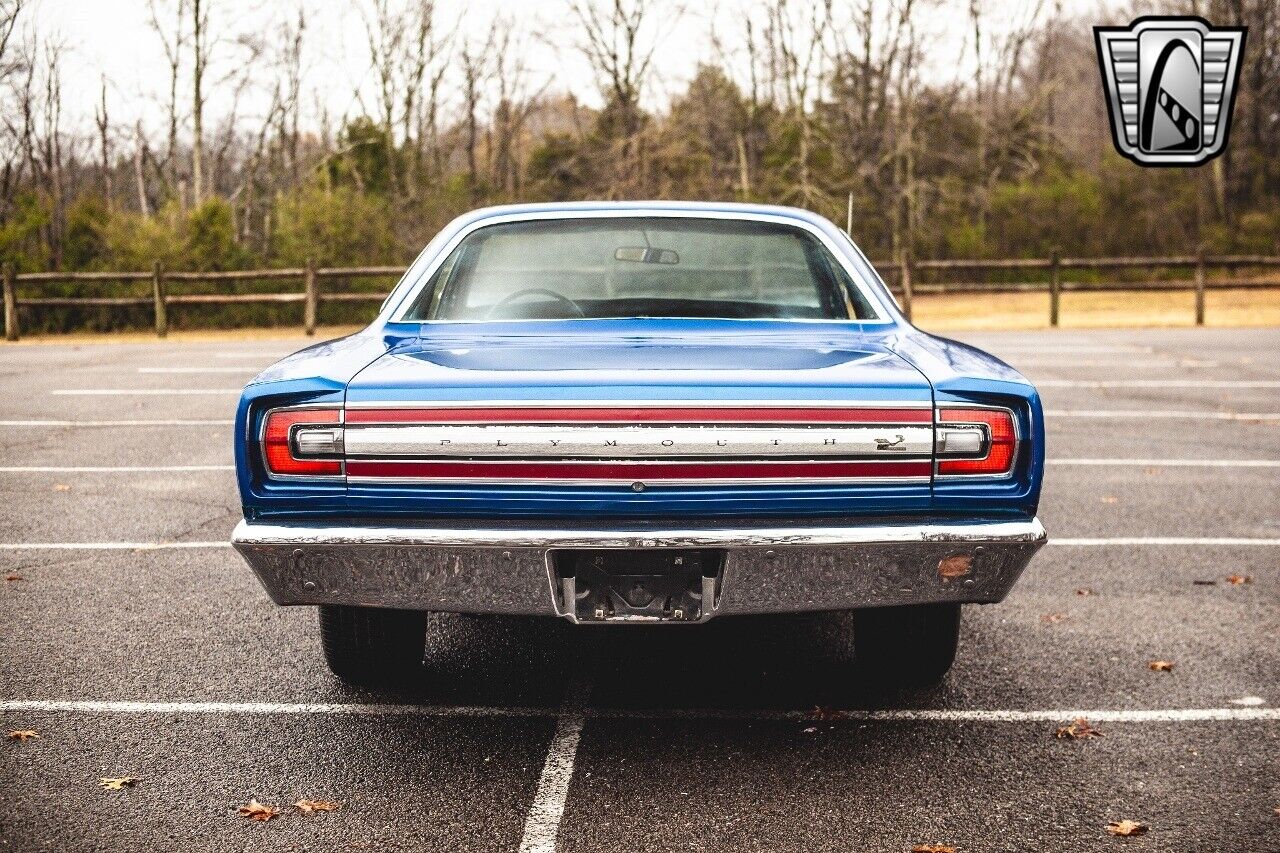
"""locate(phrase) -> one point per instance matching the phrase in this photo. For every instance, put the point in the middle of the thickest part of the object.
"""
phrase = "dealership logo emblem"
(1170, 84)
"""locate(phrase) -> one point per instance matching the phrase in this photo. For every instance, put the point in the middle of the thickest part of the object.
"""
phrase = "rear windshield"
(640, 267)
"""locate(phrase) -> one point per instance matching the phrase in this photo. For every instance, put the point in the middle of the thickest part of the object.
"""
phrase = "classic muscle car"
(644, 413)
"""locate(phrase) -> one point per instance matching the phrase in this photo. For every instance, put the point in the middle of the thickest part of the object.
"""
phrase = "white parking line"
(1166, 540)
(129, 392)
(1146, 414)
(998, 348)
(197, 370)
(937, 715)
(115, 423)
(1175, 463)
(271, 355)
(112, 469)
(1158, 383)
(1073, 362)
(109, 546)
(542, 824)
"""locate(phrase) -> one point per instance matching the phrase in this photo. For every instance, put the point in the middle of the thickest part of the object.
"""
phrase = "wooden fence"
(904, 277)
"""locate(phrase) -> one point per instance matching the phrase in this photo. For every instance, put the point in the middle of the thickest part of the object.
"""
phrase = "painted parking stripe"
(1074, 362)
(160, 546)
(111, 469)
(130, 392)
(197, 370)
(138, 423)
(940, 715)
(1178, 414)
(998, 348)
(1158, 383)
(542, 824)
(1171, 463)
(110, 546)
(1175, 541)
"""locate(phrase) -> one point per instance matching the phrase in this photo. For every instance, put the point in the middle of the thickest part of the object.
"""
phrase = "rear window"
(640, 267)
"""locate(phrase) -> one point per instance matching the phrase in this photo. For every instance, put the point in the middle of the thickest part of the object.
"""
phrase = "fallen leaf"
(255, 810)
(115, 783)
(1078, 730)
(1126, 827)
(1161, 666)
(14, 577)
(1277, 811)
(1084, 590)
(933, 848)
(1236, 580)
(810, 729)
(826, 715)
(1109, 499)
(23, 735)
(1053, 618)
(1205, 583)
(312, 806)
(62, 487)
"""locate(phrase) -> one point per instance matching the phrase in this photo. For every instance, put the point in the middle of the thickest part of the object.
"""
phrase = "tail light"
(976, 442)
(296, 442)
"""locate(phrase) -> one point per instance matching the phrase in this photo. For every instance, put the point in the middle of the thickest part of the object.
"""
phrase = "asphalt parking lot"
(169, 663)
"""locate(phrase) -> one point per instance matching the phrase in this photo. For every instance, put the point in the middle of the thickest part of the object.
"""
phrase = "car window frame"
(869, 293)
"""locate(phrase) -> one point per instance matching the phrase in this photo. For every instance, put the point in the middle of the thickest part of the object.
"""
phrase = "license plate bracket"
(637, 585)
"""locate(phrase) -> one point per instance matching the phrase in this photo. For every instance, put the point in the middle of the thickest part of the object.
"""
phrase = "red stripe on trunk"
(763, 414)
(636, 471)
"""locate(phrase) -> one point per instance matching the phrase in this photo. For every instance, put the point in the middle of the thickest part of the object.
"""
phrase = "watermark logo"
(1170, 84)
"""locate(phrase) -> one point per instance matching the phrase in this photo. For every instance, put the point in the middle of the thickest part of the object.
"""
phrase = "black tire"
(372, 646)
(910, 646)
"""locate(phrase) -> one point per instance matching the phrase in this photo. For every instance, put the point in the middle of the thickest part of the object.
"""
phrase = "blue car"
(648, 413)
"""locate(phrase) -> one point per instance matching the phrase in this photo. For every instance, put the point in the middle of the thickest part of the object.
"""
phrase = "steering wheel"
(539, 291)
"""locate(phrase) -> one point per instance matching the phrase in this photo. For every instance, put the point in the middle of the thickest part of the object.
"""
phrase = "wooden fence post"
(311, 300)
(158, 296)
(1055, 287)
(1200, 285)
(905, 278)
(10, 305)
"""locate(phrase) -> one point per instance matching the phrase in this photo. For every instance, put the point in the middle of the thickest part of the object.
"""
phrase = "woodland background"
(807, 103)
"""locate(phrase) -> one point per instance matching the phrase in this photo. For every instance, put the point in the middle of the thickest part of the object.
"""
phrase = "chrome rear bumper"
(509, 568)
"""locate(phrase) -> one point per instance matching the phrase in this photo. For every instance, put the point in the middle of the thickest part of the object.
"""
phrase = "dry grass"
(1120, 308)
(138, 336)
(956, 312)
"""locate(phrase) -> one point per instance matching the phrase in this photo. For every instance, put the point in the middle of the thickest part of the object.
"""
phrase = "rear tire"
(910, 646)
(372, 646)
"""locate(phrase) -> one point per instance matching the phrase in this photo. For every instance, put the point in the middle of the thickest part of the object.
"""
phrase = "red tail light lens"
(1001, 445)
(278, 446)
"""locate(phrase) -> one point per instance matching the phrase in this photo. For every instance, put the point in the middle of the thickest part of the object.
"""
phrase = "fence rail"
(902, 275)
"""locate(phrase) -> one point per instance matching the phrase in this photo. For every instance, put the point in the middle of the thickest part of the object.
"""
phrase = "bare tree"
(103, 123)
(200, 49)
(173, 42)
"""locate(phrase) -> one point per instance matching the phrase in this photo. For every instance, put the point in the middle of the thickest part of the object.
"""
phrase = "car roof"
(729, 208)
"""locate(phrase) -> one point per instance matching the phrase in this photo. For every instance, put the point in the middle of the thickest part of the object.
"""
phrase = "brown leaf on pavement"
(826, 715)
(1109, 499)
(23, 735)
(1236, 580)
(933, 848)
(1084, 590)
(14, 577)
(255, 810)
(116, 783)
(1161, 666)
(1126, 827)
(312, 806)
(62, 487)
(1053, 618)
(1078, 730)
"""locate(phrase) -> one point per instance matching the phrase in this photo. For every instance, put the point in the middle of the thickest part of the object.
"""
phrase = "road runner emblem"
(1170, 84)
(897, 444)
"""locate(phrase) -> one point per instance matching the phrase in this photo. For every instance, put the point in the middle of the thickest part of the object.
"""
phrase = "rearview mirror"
(646, 255)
